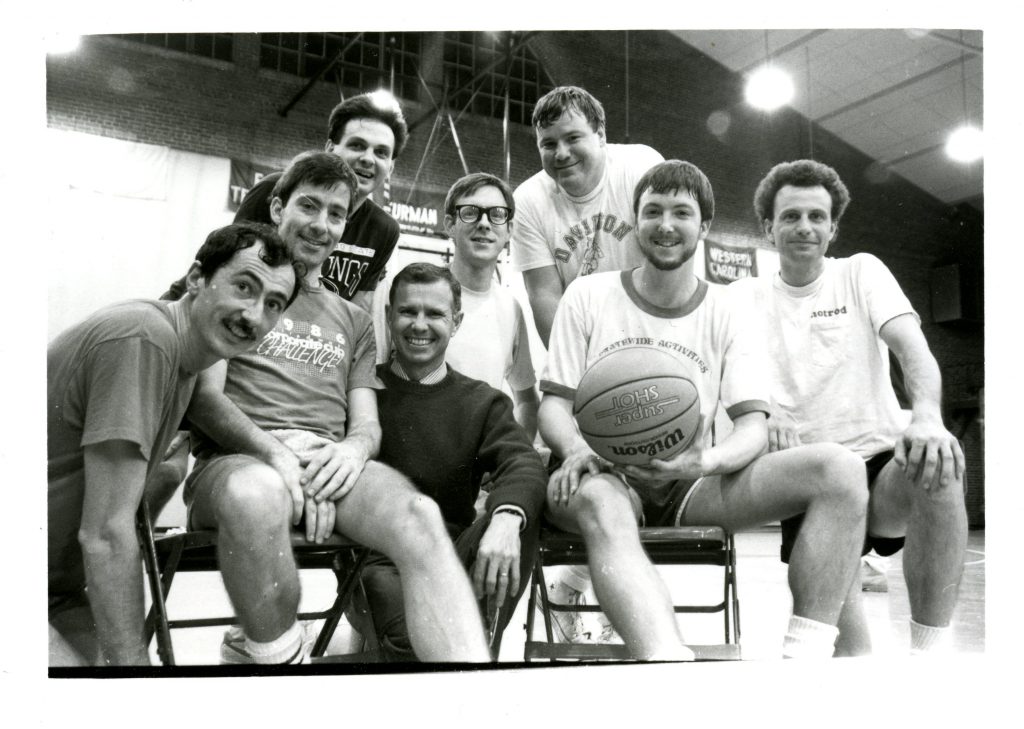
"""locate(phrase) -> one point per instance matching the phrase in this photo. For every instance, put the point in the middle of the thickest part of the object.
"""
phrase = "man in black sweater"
(445, 431)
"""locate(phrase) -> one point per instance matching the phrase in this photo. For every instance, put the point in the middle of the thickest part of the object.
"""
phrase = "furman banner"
(421, 213)
(724, 265)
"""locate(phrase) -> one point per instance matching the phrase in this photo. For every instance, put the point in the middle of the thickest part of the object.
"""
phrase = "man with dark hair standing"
(446, 431)
(575, 216)
(368, 132)
(830, 324)
(118, 384)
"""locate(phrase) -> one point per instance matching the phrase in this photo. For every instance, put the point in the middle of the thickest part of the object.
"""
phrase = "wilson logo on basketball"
(636, 406)
(653, 448)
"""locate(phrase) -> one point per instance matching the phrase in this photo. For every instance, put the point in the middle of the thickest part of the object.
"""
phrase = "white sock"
(282, 649)
(577, 577)
(808, 638)
(929, 639)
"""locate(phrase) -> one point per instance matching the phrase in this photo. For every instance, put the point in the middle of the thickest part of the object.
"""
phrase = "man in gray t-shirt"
(117, 386)
(289, 433)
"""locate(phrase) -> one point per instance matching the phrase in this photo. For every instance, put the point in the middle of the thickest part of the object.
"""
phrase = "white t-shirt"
(708, 335)
(492, 343)
(582, 235)
(829, 367)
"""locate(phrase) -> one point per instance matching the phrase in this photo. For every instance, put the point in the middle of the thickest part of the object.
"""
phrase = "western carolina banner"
(243, 176)
(723, 265)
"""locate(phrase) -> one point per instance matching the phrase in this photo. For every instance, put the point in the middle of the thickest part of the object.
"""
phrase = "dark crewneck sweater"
(446, 436)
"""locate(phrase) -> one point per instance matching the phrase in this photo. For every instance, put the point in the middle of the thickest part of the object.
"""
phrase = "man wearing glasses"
(492, 344)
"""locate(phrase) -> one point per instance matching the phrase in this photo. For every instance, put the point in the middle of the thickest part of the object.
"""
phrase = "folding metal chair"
(695, 545)
(168, 552)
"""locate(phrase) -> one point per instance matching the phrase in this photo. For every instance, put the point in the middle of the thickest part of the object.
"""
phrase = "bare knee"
(603, 509)
(253, 498)
(418, 526)
(839, 476)
(936, 497)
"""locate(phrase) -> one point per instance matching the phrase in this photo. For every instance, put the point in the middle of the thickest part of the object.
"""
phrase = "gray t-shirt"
(299, 376)
(117, 375)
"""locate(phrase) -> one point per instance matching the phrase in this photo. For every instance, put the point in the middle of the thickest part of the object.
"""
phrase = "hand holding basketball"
(635, 404)
(689, 464)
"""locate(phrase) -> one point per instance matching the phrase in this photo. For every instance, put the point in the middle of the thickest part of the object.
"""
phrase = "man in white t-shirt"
(829, 325)
(662, 304)
(575, 217)
(492, 344)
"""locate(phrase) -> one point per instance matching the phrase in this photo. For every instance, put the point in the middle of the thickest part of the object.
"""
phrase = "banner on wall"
(421, 213)
(725, 265)
(244, 175)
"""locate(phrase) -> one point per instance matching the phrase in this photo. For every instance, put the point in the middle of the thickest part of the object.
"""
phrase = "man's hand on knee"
(320, 517)
(333, 470)
(289, 469)
(926, 450)
(565, 481)
(782, 433)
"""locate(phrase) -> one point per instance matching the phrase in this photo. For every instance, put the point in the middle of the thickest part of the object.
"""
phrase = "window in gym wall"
(209, 45)
(368, 62)
(481, 57)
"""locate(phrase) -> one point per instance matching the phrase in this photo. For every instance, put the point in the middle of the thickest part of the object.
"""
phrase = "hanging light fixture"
(769, 87)
(966, 142)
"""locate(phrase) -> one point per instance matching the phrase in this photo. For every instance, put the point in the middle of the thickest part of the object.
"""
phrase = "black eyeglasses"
(498, 215)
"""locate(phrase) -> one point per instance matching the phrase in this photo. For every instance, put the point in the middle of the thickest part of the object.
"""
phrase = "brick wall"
(680, 102)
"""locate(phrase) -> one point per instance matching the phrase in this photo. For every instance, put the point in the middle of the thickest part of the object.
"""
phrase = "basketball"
(635, 404)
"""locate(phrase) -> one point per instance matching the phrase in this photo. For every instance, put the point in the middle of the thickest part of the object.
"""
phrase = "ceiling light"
(965, 144)
(62, 43)
(383, 99)
(768, 88)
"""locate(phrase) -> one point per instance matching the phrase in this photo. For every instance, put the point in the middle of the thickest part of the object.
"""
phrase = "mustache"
(248, 329)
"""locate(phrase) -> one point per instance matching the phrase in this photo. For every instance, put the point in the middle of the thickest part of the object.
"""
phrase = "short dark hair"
(321, 169)
(674, 175)
(222, 244)
(377, 105)
(427, 273)
(800, 173)
(471, 183)
(553, 104)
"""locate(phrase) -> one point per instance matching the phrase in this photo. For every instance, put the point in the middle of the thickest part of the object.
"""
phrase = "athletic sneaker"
(608, 634)
(872, 575)
(567, 627)
(233, 652)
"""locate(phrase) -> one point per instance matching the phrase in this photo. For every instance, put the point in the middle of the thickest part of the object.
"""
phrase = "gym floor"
(763, 593)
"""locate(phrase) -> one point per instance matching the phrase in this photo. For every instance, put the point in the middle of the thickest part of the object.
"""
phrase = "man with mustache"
(289, 431)
(118, 384)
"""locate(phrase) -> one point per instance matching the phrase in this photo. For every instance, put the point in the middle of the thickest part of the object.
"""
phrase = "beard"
(667, 265)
